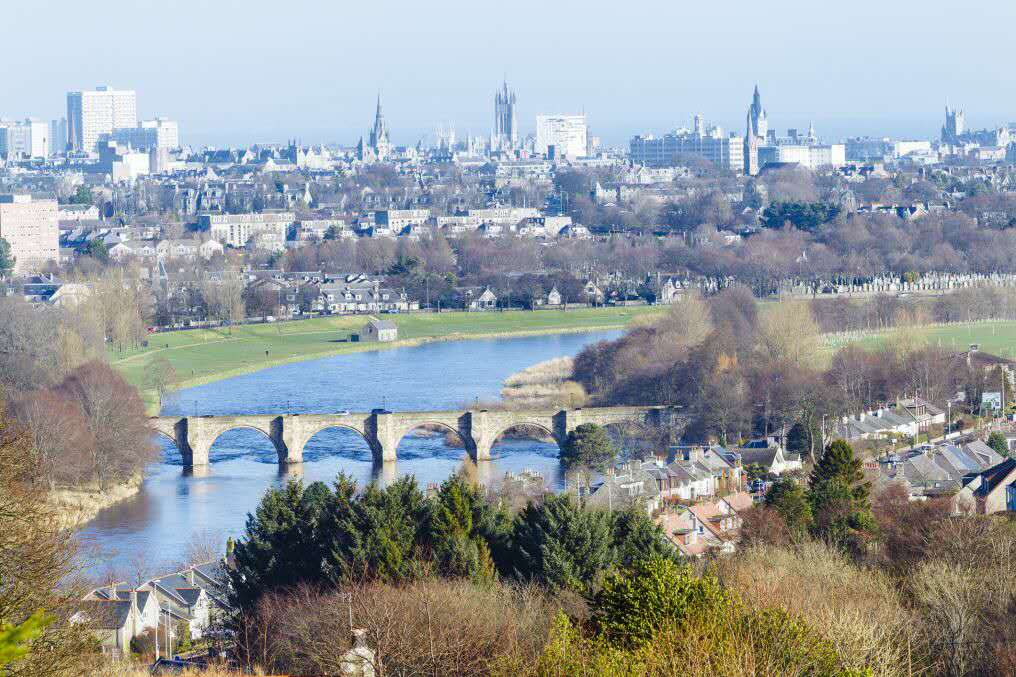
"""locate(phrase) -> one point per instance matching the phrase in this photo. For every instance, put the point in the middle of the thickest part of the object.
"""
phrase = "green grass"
(205, 355)
(995, 337)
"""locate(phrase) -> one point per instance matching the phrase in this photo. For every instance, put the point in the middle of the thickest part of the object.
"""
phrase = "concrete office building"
(561, 135)
(811, 156)
(150, 135)
(706, 143)
(24, 139)
(236, 230)
(92, 114)
(30, 228)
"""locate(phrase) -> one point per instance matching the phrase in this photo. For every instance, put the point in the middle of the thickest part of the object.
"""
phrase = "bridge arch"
(464, 437)
(360, 434)
(501, 430)
(216, 434)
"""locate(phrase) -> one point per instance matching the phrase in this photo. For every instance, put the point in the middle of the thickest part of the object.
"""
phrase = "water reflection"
(177, 505)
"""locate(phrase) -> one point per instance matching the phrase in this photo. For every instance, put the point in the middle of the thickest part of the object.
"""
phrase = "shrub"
(860, 611)
(638, 602)
(430, 627)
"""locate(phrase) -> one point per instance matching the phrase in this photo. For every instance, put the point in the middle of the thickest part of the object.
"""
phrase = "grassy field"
(995, 337)
(205, 355)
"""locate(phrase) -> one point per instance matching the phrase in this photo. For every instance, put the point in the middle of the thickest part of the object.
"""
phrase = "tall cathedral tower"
(506, 123)
(759, 121)
(379, 140)
(955, 125)
(756, 127)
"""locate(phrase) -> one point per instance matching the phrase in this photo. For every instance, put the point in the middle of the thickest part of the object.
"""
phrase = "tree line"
(740, 370)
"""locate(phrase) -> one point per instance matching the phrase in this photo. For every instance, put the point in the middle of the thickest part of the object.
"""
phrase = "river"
(176, 509)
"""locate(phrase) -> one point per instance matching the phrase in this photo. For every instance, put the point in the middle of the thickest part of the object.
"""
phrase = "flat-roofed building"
(92, 114)
(150, 135)
(397, 220)
(235, 230)
(671, 150)
(566, 135)
(30, 228)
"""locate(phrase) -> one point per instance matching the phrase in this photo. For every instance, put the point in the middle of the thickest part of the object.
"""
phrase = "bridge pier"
(287, 436)
(194, 443)
(480, 435)
(382, 437)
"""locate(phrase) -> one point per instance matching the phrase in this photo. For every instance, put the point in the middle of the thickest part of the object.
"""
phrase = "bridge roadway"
(383, 430)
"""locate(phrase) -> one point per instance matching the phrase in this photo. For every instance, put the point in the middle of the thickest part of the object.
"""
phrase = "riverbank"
(75, 506)
(201, 356)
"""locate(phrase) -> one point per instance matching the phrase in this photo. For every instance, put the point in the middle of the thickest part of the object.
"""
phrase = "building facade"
(235, 230)
(92, 114)
(561, 135)
(24, 139)
(708, 144)
(150, 135)
(30, 228)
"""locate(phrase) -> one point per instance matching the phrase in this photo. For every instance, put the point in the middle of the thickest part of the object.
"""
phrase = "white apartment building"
(566, 134)
(669, 150)
(92, 114)
(398, 219)
(24, 139)
(235, 230)
(150, 135)
(811, 156)
(504, 216)
(30, 228)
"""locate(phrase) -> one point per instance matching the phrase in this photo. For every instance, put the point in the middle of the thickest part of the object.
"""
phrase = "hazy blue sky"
(265, 70)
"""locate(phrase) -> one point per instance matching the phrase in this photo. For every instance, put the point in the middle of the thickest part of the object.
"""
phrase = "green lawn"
(995, 337)
(204, 355)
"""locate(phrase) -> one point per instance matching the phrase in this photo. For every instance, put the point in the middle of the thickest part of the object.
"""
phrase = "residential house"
(193, 596)
(210, 248)
(118, 613)
(631, 485)
(554, 297)
(939, 471)
(133, 249)
(713, 525)
(722, 467)
(358, 294)
(770, 456)
(475, 298)
(593, 294)
(177, 249)
(989, 491)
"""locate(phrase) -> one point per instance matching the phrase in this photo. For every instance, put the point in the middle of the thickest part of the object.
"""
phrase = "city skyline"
(868, 80)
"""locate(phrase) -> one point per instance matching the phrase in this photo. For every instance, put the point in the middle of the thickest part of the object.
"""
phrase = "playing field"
(203, 355)
(995, 337)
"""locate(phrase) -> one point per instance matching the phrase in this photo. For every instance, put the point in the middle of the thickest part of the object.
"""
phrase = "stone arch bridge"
(383, 430)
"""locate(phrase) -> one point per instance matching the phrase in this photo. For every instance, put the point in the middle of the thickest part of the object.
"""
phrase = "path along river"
(176, 510)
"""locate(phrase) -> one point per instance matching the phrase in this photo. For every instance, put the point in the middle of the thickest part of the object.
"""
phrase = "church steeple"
(379, 140)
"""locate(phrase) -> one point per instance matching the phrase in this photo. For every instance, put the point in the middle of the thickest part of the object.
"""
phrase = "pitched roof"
(996, 476)
(106, 614)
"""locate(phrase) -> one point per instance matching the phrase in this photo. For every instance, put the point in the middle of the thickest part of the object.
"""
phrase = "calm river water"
(175, 510)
